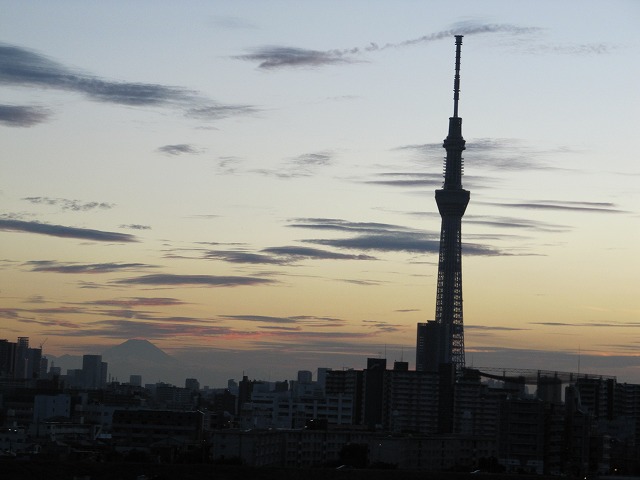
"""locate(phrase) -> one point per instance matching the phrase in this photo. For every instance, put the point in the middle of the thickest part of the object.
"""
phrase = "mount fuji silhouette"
(141, 357)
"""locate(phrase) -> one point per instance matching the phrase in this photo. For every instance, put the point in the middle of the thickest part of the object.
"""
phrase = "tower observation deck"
(452, 202)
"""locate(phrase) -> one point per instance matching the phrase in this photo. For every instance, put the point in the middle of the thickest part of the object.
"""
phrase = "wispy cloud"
(571, 49)
(382, 327)
(285, 255)
(272, 57)
(131, 328)
(306, 320)
(234, 256)
(493, 328)
(383, 237)
(195, 280)
(65, 232)
(136, 226)
(576, 206)
(22, 116)
(303, 165)
(502, 154)
(26, 68)
(179, 149)
(362, 283)
(68, 204)
(79, 268)
(517, 223)
(589, 324)
(306, 253)
(275, 57)
(138, 302)
(408, 180)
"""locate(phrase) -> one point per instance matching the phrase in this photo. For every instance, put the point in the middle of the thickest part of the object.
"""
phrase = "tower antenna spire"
(456, 80)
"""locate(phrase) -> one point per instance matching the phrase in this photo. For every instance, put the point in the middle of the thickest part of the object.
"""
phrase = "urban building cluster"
(382, 415)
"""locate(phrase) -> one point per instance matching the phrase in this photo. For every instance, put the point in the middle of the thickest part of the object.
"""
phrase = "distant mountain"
(141, 357)
(134, 350)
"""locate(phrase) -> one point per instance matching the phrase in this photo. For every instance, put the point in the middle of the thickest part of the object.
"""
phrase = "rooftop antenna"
(456, 81)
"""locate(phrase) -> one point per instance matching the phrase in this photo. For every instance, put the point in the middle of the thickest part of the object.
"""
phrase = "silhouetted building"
(373, 390)
(347, 382)
(18, 361)
(427, 346)
(192, 384)
(521, 435)
(7, 358)
(410, 401)
(94, 372)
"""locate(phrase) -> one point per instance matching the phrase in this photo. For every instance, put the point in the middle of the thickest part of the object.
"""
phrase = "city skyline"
(250, 186)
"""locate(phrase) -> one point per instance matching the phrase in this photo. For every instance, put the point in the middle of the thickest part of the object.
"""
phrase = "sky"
(249, 185)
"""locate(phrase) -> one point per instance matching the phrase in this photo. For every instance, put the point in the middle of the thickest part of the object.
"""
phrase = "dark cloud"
(219, 111)
(274, 57)
(202, 280)
(64, 232)
(10, 313)
(383, 237)
(388, 242)
(409, 180)
(279, 328)
(67, 204)
(383, 327)
(22, 116)
(307, 253)
(138, 302)
(515, 223)
(232, 256)
(591, 207)
(23, 67)
(340, 225)
(78, 268)
(178, 149)
(286, 255)
(364, 283)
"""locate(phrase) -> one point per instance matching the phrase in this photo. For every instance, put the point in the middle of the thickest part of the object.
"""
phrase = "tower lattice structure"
(452, 202)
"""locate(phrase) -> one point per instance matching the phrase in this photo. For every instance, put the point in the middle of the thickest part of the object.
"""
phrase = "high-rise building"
(447, 330)
(94, 372)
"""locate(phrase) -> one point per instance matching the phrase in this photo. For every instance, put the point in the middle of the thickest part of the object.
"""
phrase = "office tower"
(192, 384)
(452, 201)
(305, 376)
(373, 391)
(22, 358)
(94, 371)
